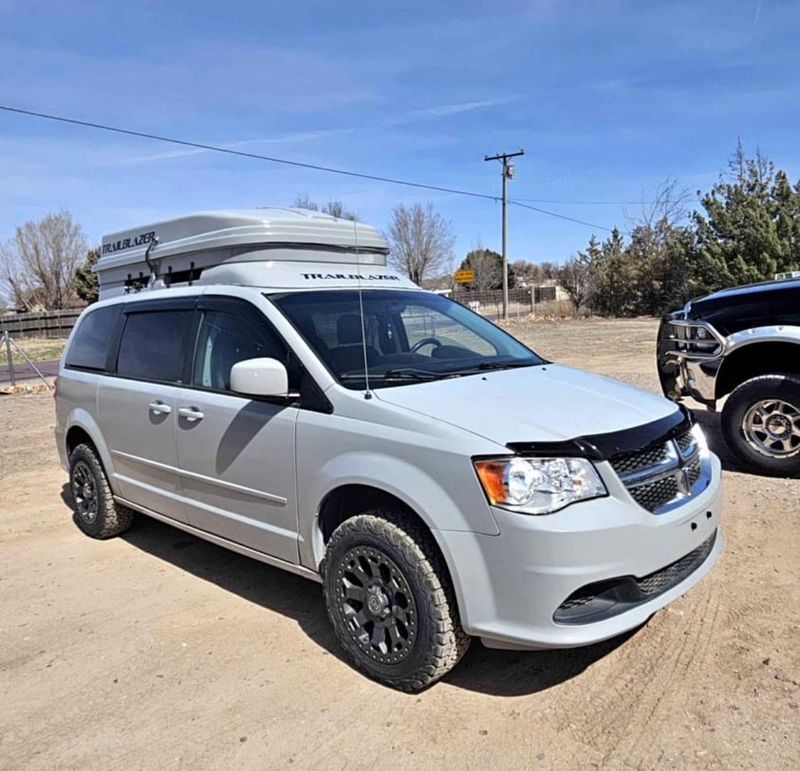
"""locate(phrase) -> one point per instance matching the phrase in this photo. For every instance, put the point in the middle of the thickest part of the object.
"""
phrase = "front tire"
(390, 600)
(761, 424)
(96, 512)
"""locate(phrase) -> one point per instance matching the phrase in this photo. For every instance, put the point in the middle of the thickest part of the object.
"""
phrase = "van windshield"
(411, 336)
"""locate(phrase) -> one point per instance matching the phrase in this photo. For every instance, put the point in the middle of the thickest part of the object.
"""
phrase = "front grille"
(635, 461)
(661, 474)
(664, 579)
(601, 600)
(686, 443)
(653, 495)
(694, 470)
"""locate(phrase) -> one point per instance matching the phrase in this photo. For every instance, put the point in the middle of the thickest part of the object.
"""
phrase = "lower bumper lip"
(609, 598)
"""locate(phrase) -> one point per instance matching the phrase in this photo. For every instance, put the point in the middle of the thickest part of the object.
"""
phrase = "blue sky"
(607, 98)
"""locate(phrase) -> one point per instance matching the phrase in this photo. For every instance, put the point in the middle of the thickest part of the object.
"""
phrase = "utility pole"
(508, 173)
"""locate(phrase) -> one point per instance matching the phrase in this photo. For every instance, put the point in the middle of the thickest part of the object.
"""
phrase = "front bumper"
(686, 366)
(511, 585)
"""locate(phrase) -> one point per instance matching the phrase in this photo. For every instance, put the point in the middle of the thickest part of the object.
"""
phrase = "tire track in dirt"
(692, 656)
(618, 717)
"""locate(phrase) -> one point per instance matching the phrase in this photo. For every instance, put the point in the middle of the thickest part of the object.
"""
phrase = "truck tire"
(96, 512)
(390, 600)
(761, 424)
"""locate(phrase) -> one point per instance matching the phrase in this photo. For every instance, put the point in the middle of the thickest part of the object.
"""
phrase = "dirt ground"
(159, 650)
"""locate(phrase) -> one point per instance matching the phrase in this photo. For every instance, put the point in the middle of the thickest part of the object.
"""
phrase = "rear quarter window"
(92, 339)
(153, 345)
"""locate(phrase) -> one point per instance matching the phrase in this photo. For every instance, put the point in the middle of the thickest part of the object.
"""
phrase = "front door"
(138, 406)
(236, 454)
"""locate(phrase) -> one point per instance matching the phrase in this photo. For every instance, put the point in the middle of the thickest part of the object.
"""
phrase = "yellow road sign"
(464, 276)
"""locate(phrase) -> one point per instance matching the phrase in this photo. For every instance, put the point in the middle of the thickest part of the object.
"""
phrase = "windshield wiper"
(411, 373)
(489, 365)
(406, 374)
(505, 364)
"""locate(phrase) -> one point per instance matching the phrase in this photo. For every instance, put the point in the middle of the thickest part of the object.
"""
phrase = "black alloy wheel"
(377, 604)
(390, 599)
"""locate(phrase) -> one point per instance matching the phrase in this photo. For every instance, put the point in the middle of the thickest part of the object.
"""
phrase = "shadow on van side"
(495, 672)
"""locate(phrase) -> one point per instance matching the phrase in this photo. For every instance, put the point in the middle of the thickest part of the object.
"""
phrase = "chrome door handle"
(159, 408)
(190, 413)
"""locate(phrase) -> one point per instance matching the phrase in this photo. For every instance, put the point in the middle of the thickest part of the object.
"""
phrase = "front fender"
(460, 505)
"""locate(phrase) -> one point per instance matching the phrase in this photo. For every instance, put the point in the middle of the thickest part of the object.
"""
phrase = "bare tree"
(575, 276)
(421, 241)
(37, 265)
(659, 240)
(334, 207)
(669, 207)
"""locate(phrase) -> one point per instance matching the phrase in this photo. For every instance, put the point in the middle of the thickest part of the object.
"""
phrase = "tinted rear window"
(92, 339)
(153, 345)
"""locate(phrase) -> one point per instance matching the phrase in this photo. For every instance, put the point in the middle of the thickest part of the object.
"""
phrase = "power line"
(588, 203)
(563, 216)
(285, 161)
(243, 154)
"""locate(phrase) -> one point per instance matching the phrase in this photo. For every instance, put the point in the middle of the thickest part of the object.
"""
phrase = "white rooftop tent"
(222, 247)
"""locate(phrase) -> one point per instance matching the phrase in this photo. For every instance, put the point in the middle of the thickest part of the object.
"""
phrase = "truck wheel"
(390, 600)
(96, 512)
(761, 424)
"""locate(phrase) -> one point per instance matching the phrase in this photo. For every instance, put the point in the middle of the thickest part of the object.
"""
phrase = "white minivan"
(262, 380)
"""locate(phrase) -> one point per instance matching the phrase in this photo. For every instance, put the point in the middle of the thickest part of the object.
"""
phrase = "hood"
(746, 307)
(532, 404)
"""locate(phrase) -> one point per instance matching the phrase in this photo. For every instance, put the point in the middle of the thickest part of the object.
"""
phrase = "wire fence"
(536, 301)
(28, 369)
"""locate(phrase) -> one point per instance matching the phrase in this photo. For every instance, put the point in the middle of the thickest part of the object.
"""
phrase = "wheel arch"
(82, 428)
(351, 499)
(754, 359)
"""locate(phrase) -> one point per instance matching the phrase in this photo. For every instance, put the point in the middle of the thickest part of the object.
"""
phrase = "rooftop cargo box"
(213, 246)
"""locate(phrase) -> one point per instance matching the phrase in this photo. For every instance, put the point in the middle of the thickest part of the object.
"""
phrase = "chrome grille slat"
(660, 476)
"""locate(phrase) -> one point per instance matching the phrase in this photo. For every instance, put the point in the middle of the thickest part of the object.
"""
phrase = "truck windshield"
(411, 336)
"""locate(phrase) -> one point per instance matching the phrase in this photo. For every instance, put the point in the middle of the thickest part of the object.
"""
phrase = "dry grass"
(36, 349)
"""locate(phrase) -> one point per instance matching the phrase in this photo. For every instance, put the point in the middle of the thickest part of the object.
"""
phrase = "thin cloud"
(413, 116)
(758, 14)
(446, 110)
(299, 136)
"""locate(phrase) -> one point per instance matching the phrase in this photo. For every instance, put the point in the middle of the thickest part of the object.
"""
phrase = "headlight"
(538, 485)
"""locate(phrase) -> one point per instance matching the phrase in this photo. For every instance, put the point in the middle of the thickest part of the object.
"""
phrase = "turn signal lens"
(538, 485)
(492, 476)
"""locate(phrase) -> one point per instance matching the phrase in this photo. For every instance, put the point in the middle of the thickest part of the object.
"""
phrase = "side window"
(92, 339)
(226, 338)
(424, 323)
(153, 345)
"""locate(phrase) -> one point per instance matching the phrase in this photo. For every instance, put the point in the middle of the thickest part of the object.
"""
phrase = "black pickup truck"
(741, 345)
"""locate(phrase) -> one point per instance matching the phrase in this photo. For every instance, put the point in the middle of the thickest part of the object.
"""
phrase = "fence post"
(7, 341)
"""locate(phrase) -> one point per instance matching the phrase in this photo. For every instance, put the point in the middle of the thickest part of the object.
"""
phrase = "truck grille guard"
(694, 340)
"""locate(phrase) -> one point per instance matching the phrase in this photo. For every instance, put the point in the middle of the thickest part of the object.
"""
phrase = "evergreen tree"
(488, 267)
(85, 281)
(750, 228)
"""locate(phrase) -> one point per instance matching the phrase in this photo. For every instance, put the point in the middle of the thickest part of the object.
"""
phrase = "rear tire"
(96, 512)
(761, 424)
(390, 600)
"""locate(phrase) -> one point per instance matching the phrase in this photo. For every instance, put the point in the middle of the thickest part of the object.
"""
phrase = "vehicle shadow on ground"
(494, 672)
(521, 673)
